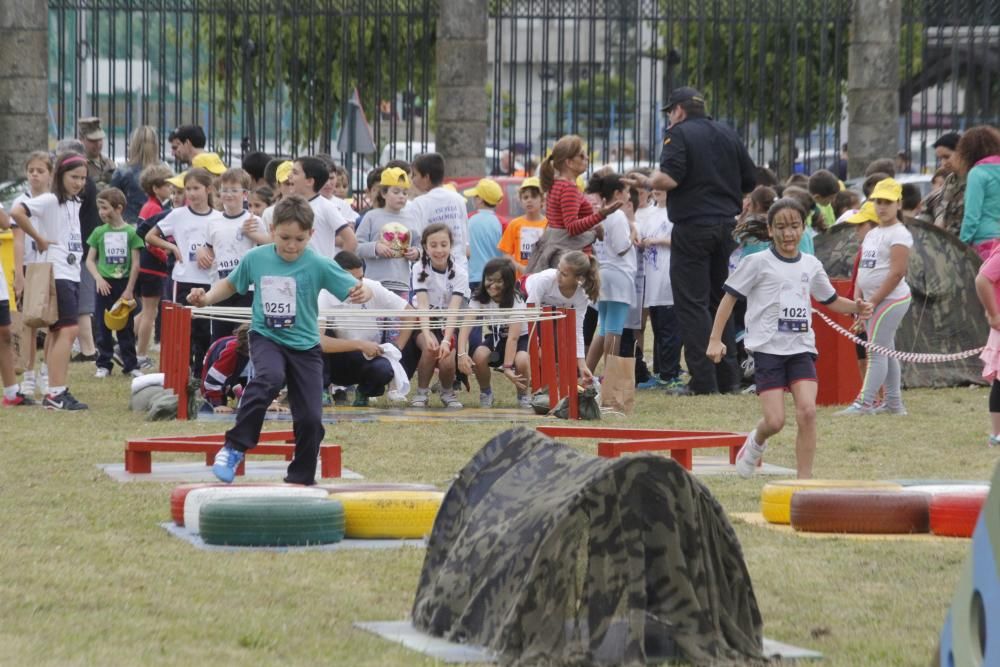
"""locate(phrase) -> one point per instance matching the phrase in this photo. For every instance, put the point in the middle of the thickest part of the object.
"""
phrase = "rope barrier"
(912, 357)
(381, 319)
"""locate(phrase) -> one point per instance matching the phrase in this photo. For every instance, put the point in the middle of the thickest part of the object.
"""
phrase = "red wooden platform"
(552, 350)
(613, 442)
(139, 459)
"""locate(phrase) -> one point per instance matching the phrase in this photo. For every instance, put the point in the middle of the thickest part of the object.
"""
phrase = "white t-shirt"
(190, 232)
(874, 265)
(438, 286)
(777, 290)
(30, 252)
(326, 223)
(656, 259)
(617, 258)
(499, 330)
(345, 209)
(543, 290)
(382, 299)
(443, 205)
(60, 225)
(226, 238)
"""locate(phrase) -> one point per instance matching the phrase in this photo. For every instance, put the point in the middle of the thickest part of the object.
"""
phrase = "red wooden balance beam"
(139, 460)
(614, 442)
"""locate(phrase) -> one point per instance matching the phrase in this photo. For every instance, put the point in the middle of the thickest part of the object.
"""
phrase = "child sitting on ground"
(777, 285)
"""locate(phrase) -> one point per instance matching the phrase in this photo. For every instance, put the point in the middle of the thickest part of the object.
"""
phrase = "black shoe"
(340, 397)
(80, 357)
(64, 401)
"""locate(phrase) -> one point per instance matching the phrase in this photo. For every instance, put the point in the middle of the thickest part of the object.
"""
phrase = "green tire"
(272, 522)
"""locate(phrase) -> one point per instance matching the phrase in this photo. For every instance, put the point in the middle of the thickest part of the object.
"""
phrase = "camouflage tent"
(945, 315)
(549, 556)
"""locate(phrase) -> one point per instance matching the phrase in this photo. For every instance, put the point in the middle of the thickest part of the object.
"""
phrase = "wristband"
(462, 354)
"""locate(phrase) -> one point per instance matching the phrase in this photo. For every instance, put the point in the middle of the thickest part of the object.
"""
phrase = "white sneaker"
(486, 399)
(102, 373)
(524, 401)
(855, 409)
(421, 399)
(749, 456)
(43, 379)
(449, 400)
(28, 385)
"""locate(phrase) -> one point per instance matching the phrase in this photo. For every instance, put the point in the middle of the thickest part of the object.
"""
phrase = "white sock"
(29, 375)
(44, 369)
(753, 440)
(10, 393)
(56, 391)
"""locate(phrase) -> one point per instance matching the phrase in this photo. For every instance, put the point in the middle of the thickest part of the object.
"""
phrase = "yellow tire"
(776, 498)
(376, 515)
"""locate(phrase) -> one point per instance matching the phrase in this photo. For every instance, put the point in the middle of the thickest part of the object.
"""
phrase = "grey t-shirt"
(394, 274)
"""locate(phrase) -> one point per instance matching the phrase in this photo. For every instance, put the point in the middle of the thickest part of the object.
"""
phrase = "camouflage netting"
(945, 315)
(548, 556)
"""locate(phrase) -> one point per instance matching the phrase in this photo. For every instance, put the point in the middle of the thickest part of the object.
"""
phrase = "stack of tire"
(874, 507)
(284, 515)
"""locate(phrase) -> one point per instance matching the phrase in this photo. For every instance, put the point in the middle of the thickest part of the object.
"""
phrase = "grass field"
(87, 576)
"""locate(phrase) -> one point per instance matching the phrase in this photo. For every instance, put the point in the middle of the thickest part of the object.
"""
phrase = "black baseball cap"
(682, 95)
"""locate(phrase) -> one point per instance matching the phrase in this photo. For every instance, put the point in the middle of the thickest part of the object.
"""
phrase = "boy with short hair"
(439, 204)
(284, 336)
(824, 186)
(485, 229)
(522, 234)
(331, 232)
(113, 261)
(154, 182)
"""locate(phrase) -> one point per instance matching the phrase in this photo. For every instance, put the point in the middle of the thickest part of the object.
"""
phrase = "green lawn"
(89, 577)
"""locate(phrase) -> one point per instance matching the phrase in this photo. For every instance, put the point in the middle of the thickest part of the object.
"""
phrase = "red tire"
(955, 514)
(179, 494)
(868, 512)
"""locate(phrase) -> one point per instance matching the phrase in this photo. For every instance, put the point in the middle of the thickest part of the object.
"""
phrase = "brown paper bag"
(41, 308)
(19, 340)
(618, 386)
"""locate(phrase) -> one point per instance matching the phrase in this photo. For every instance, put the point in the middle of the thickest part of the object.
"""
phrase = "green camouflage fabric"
(945, 208)
(548, 556)
(945, 315)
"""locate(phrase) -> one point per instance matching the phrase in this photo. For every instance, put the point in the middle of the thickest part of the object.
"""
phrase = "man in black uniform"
(707, 170)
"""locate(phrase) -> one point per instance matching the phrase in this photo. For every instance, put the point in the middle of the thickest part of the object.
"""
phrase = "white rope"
(381, 319)
(912, 357)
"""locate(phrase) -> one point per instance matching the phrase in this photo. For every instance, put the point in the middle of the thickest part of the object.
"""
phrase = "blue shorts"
(496, 346)
(68, 299)
(4, 312)
(611, 316)
(781, 371)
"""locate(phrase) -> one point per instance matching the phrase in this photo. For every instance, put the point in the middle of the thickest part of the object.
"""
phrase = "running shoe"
(64, 401)
(749, 456)
(226, 462)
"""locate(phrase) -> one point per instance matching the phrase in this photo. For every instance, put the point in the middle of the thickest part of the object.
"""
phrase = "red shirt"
(150, 208)
(566, 208)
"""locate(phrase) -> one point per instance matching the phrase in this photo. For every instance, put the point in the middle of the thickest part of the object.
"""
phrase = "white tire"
(197, 498)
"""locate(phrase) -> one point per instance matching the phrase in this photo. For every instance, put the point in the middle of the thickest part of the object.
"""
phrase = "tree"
(313, 54)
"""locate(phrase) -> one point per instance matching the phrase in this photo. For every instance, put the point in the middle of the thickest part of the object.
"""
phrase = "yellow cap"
(530, 182)
(889, 189)
(394, 177)
(178, 180)
(486, 189)
(210, 162)
(865, 214)
(116, 317)
(283, 170)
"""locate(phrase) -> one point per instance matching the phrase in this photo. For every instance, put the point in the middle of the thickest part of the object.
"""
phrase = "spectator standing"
(99, 167)
(485, 229)
(186, 142)
(143, 151)
(707, 171)
(978, 157)
(945, 207)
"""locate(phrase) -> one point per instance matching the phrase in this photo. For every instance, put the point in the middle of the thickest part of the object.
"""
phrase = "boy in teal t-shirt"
(113, 261)
(284, 336)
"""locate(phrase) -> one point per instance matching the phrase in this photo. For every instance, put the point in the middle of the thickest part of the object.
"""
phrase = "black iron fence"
(262, 74)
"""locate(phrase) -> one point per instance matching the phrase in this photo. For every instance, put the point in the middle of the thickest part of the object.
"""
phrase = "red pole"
(567, 359)
(534, 358)
(548, 351)
(183, 361)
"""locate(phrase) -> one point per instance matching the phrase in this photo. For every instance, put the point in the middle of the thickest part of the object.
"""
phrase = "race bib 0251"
(277, 297)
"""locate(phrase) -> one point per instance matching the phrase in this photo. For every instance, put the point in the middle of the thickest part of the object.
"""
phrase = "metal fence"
(263, 74)
(256, 74)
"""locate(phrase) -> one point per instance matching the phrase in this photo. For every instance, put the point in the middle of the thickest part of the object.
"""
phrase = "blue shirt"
(485, 231)
(285, 297)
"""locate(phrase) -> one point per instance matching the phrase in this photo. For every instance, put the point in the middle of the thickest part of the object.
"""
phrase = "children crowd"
(598, 242)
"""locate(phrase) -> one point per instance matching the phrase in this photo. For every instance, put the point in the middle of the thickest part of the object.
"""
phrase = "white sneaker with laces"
(450, 400)
(855, 409)
(485, 399)
(102, 373)
(749, 456)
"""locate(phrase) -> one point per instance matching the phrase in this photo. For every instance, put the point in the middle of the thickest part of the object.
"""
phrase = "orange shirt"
(519, 239)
